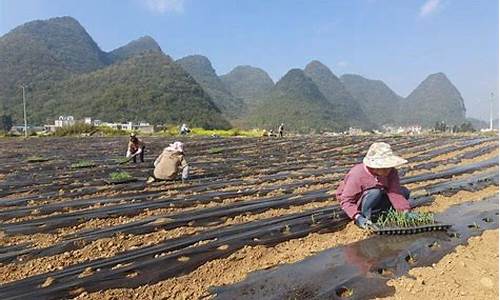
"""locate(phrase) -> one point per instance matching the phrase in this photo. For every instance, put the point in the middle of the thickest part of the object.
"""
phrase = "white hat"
(175, 147)
(380, 156)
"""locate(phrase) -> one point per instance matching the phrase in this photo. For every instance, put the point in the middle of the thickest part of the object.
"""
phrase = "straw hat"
(380, 156)
(175, 147)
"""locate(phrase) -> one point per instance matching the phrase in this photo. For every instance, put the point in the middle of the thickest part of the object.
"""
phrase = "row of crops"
(67, 230)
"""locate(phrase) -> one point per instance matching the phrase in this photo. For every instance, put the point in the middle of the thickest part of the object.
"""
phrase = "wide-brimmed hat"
(175, 147)
(380, 156)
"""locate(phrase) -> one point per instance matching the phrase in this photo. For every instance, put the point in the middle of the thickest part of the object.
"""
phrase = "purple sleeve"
(350, 194)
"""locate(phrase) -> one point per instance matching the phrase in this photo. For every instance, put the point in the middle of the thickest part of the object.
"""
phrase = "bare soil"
(471, 272)
(235, 267)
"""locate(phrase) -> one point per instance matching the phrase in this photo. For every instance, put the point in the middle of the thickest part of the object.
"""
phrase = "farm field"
(253, 209)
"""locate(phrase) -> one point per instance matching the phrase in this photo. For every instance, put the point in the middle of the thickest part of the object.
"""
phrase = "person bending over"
(170, 162)
(135, 148)
(373, 187)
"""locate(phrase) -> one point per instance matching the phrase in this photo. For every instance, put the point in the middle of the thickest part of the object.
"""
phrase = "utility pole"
(25, 121)
(491, 111)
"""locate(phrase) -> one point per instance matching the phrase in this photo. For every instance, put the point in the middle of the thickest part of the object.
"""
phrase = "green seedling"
(410, 258)
(215, 150)
(36, 158)
(348, 150)
(345, 292)
(474, 225)
(396, 219)
(83, 164)
(120, 176)
(287, 229)
(122, 160)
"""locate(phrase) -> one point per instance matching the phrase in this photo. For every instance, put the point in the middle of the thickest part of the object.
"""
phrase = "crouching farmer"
(169, 163)
(373, 186)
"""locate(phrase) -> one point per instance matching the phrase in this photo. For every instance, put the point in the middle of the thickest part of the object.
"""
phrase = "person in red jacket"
(373, 186)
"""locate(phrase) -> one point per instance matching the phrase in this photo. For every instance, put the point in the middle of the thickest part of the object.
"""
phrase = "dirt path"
(471, 272)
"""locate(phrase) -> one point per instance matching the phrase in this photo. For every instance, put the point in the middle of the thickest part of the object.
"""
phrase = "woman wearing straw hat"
(373, 186)
(169, 163)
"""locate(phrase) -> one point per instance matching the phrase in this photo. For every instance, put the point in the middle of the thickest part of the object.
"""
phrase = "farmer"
(280, 130)
(135, 148)
(373, 186)
(184, 129)
(169, 163)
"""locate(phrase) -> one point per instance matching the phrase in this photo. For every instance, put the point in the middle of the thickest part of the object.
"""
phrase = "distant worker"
(280, 130)
(135, 148)
(184, 129)
(373, 186)
(169, 163)
(271, 133)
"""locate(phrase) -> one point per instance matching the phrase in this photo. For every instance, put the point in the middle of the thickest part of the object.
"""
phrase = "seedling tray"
(412, 230)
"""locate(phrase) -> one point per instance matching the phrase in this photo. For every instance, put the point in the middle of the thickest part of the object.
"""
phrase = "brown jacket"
(168, 164)
(134, 147)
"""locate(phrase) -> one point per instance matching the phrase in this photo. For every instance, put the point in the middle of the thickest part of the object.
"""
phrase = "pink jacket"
(360, 179)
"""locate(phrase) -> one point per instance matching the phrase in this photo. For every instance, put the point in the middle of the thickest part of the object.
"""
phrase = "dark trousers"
(141, 155)
(374, 201)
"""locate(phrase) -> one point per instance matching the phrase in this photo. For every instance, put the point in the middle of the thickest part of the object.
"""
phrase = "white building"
(90, 121)
(64, 121)
(143, 127)
(412, 129)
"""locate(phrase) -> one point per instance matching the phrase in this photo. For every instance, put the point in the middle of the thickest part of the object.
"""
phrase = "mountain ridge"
(248, 83)
(201, 69)
(298, 103)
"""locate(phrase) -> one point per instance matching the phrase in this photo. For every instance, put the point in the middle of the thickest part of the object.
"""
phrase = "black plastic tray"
(412, 230)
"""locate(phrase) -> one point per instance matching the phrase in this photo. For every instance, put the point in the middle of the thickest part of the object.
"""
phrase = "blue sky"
(399, 42)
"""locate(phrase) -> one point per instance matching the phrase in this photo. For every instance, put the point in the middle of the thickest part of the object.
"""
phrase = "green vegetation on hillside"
(139, 46)
(347, 110)
(148, 87)
(202, 71)
(379, 103)
(65, 72)
(296, 101)
(248, 83)
(436, 99)
(40, 52)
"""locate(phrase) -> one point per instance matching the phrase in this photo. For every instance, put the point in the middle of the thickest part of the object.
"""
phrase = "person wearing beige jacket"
(169, 163)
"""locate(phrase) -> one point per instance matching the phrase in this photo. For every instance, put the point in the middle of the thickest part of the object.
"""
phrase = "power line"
(25, 120)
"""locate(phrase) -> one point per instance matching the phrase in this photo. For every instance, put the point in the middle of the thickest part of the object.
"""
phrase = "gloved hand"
(364, 223)
(361, 221)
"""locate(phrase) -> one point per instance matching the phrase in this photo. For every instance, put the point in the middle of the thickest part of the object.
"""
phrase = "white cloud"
(429, 7)
(164, 6)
